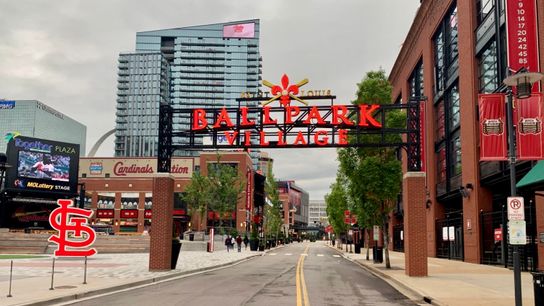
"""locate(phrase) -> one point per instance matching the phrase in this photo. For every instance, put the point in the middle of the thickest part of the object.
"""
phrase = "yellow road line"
(299, 295)
(302, 293)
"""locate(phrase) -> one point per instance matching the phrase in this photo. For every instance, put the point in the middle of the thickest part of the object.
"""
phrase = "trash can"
(191, 237)
(176, 248)
(538, 285)
(377, 254)
(357, 248)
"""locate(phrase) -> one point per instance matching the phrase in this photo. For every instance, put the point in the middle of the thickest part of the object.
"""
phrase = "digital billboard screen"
(43, 166)
(241, 30)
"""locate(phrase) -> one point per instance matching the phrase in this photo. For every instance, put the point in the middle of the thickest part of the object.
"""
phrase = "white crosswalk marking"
(335, 255)
(319, 255)
(272, 254)
(288, 254)
(303, 254)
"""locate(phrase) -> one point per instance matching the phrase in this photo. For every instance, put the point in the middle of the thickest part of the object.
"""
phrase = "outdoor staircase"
(21, 243)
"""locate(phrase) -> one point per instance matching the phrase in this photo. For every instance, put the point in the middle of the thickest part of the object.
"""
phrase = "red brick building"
(455, 50)
(120, 190)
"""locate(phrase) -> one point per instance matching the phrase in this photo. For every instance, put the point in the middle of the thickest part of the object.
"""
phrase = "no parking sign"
(516, 211)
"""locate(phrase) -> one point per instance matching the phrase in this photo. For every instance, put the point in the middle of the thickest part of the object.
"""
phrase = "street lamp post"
(523, 82)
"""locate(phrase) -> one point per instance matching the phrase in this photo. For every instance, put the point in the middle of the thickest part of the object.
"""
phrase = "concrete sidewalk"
(450, 282)
(105, 273)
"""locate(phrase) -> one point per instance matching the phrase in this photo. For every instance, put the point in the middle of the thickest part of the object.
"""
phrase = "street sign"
(516, 211)
(516, 233)
(376, 232)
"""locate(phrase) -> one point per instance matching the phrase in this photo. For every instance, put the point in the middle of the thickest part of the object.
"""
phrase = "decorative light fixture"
(428, 203)
(523, 82)
(466, 190)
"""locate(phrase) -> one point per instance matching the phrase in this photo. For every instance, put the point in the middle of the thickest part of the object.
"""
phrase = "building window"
(453, 105)
(455, 156)
(440, 121)
(416, 82)
(445, 49)
(447, 140)
(441, 164)
(439, 61)
(483, 9)
(489, 77)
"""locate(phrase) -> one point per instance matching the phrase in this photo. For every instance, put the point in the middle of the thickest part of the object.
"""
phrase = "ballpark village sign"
(293, 124)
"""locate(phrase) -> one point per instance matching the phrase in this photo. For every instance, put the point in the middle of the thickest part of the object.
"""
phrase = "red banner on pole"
(529, 136)
(492, 127)
(248, 189)
(522, 38)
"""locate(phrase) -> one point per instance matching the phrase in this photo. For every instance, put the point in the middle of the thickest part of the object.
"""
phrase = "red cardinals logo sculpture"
(64, 220)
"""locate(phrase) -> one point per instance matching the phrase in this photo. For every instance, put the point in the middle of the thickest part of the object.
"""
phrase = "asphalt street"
(298, 274)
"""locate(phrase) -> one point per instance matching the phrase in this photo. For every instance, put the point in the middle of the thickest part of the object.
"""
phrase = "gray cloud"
(64, 53)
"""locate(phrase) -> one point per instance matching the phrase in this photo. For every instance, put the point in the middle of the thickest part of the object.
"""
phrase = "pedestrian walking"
(228, 242)
(246, 241)
(239, 243)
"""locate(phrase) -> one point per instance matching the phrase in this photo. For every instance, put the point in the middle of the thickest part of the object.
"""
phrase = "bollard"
(10, 277)
(52, 275)
(85, 272)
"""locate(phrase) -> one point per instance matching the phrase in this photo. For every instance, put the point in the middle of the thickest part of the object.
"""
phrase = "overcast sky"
(64, 54)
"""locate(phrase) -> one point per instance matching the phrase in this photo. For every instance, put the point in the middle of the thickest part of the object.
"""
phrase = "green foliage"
(225, 188)
(337, 203)
(272, 212)
(373, 175)
(254, 235)
(219, 191)
(197, 194)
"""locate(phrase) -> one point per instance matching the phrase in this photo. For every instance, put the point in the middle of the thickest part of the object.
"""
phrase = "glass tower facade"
(34, 119)
(209, 66)
(143, 83)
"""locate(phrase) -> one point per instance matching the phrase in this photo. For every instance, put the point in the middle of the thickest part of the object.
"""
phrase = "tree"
(374, 175)
(273, 211)
(225, 188)
(337, 203)
(197, 195)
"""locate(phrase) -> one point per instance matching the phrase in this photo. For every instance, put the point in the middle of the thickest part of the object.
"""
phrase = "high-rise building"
(210, 66)
(34, 119)
(318, 213)
(143, 84)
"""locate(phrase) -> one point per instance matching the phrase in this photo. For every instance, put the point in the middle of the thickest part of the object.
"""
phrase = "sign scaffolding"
(321, 125)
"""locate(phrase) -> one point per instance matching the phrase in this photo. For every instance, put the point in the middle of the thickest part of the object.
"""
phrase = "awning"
(534, 176)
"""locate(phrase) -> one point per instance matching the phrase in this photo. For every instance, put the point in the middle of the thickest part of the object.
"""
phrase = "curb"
(409, 292)
(145, 282)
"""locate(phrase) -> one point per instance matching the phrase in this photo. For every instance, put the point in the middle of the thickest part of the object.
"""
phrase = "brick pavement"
(105, 272)
(450, 282)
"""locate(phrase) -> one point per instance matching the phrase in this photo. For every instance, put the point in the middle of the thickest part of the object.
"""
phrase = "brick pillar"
(117, 213)
(94, 206)
(539, 204)
(160, 246)
(141, 212)
(415, 228)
